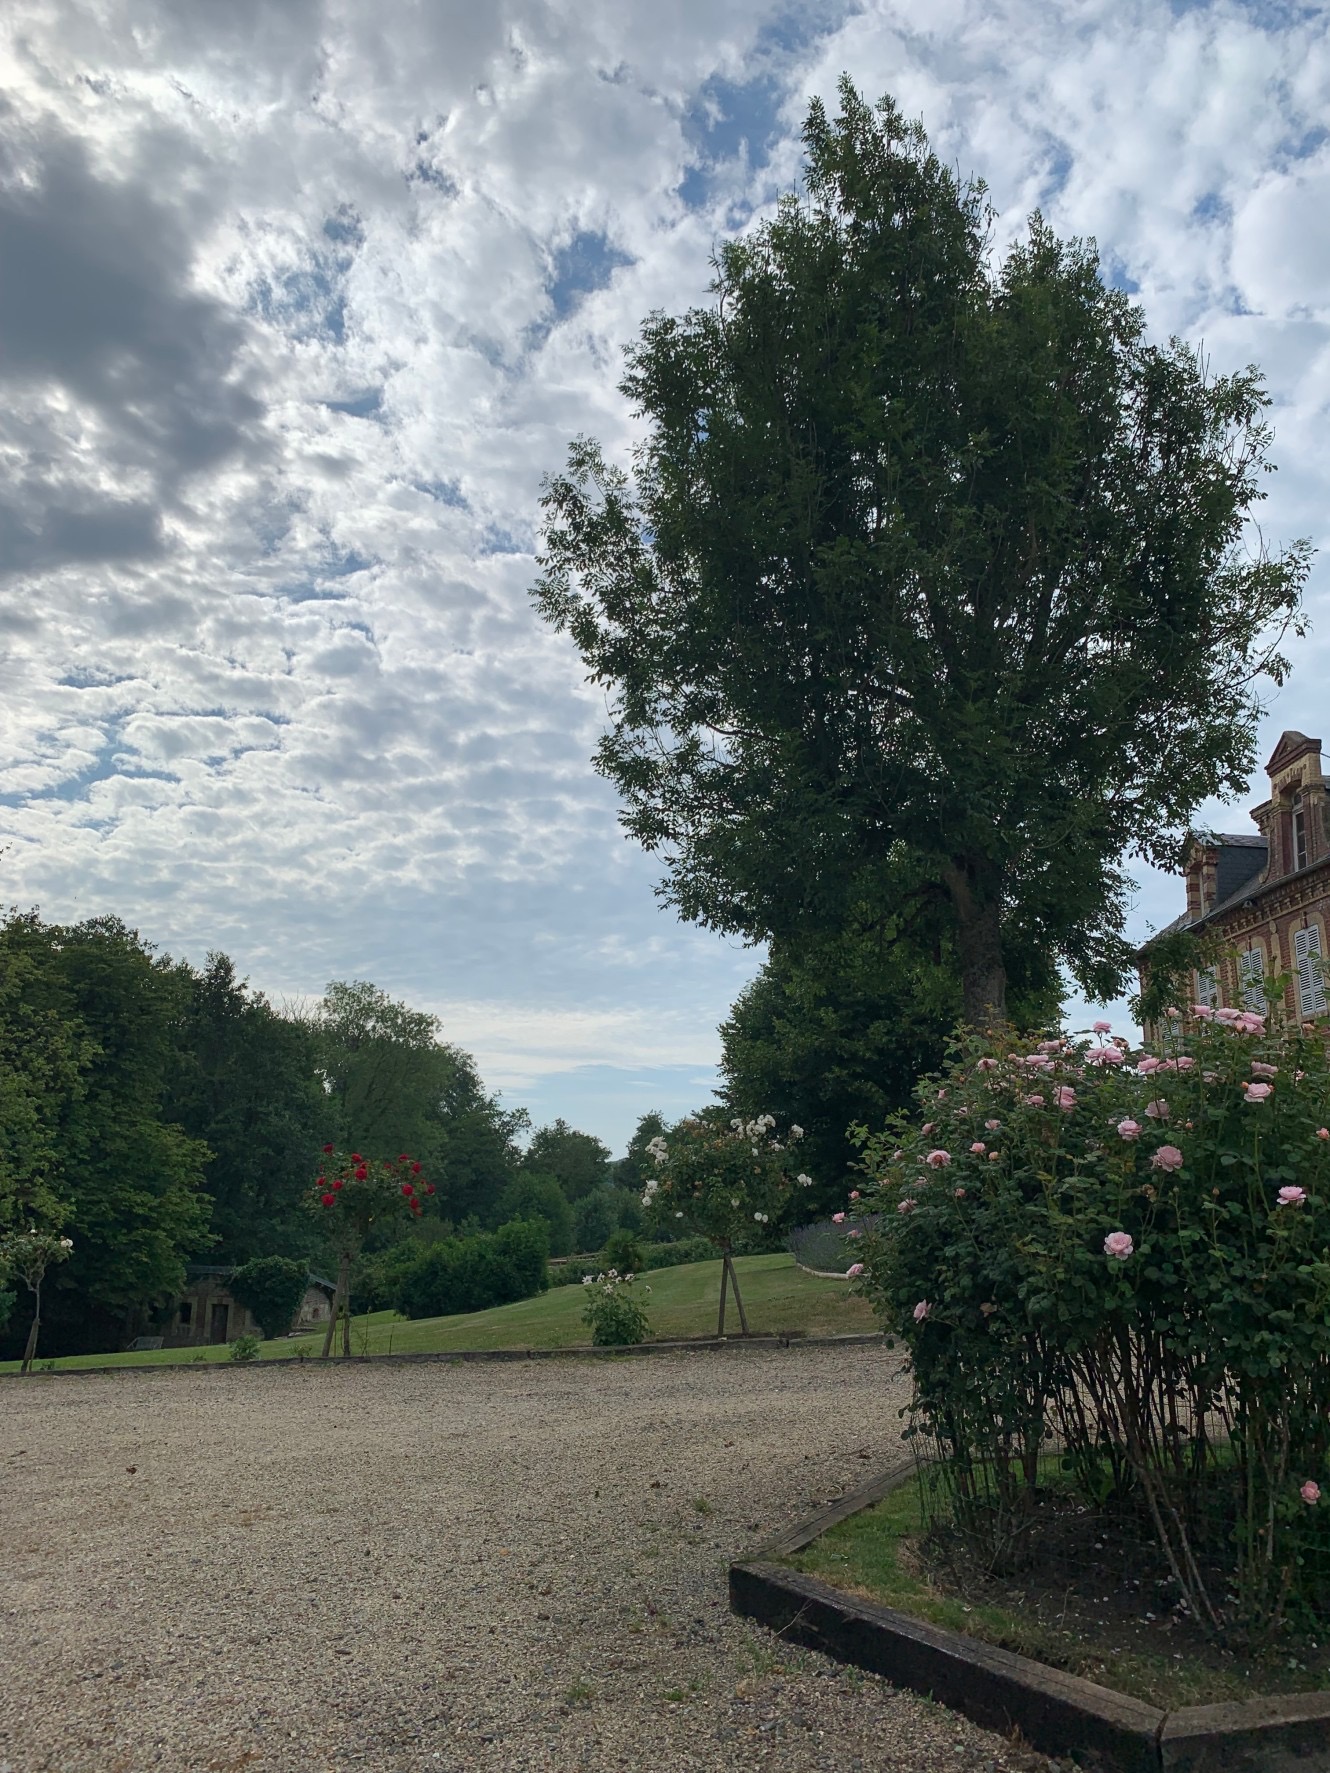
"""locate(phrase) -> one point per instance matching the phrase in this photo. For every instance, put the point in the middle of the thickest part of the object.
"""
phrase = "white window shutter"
(1207, 989)
(1251, 981)
(1307, 966)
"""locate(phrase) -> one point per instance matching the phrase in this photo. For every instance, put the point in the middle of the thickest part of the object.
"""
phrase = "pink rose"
(1323, 1132)
(1157, 1110)
(1250, 1023)
(1258, 1092)
(1102, 1027)
(927, 1127)
(1033, 1101)
(1184, 1064)
(854, 1194)
(907, 1205)
(1292, 1196)
(987, 1065)
(959, 1193)
(853, 1269)
(1310, 1493)
(1146, 1066)
(854, 1232)
(1118, 1244)
(1129, 1129)
(994, 1126)
(1168, 1157)
(993, 1156)
(979, 1148)
(1104, 1056)
(838, 1218)
(1065, 1098)
(938, 1160)
(1202, 1010)
(922, 1310)
(1260, 1069)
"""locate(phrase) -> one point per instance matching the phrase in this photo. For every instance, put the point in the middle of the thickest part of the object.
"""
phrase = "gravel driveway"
(292, 1570)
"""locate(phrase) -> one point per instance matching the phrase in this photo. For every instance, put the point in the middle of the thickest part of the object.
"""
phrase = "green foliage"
(882, 606)
(8, 1300)
(245, 1348)
(376, 1277)
(529, 1195)
(271, 1287)
(242, 1079)
(354, 1195)
(677, 1255)
(596, 1217)
(471, 1274)
(614, 1312)
(624, 1252)
(579, 1162)
(1122, 1250)
(633, 1168)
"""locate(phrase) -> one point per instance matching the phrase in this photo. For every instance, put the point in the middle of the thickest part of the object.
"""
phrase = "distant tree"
(596, 1217)
(578, 1161)
(934, 580)
(529, 1196)
(635, 1165)
(243, 1079)
(271, 1287)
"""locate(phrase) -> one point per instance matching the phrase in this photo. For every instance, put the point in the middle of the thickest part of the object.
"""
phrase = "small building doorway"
(217, 1329)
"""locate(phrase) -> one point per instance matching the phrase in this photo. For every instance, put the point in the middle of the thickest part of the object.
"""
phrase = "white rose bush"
(721, 1180)
(1124, 1254)
(27, 1255)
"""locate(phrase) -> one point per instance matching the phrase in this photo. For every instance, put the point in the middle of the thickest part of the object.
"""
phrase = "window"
(1251, 981)
(186, 1313)
(1308, 969)
(1299, 833)
(1207, 988)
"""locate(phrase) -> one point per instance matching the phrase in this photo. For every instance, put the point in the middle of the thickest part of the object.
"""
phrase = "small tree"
(532, 1196)
(351, 1195)
(27, 1255)
(271, 1287)
(718, 1181)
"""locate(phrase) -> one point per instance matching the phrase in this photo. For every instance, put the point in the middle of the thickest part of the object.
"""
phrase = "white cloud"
(309, 296)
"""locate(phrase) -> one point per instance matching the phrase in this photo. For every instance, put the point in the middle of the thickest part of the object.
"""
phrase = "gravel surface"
(437, 1567)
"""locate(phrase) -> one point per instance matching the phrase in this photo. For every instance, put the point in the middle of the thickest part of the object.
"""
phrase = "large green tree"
(578, 1162)
(243, 1079)
(934, 581)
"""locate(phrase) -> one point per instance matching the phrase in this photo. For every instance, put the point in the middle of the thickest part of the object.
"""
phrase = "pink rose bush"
(1120, 1262)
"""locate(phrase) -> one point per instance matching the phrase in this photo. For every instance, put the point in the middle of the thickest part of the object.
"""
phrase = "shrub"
(474, 1273)
(676, 1255)
(375, 1278)
(623, 1253)
(271, 1288)
(595, 1219)
(245, 1348)
(1126, 1250)
(613, 1311)
(533, 1196)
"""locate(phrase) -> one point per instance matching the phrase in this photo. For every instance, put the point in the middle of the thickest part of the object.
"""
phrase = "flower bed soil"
(1093, 1599)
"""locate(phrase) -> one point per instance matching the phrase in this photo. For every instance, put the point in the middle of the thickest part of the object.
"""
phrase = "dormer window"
(1299, 832)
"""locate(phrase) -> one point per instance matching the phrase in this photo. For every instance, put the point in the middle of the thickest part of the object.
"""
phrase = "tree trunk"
(341, 1300)
(979, 943)
(724, 1283)
(29, 1353)
(738, 1296)
(344, 1277)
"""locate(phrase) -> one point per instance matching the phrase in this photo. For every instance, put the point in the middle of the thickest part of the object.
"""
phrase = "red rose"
(319, 1181)
(356, 1158)
(326, 1150)
(404, 1157)
(429, 1188)
(415, 1169)
(362, 1174)
(415, 1206)
(338, 1183)
(329, 1199)
(407, 1188)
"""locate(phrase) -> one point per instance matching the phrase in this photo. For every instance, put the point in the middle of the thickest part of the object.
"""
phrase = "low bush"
(679, 1253)
(245, 1348)
(530, 1196)
(614, 1312)
(376, 1277)
(475, 1273)
(623, 1253)
(1125, 1251)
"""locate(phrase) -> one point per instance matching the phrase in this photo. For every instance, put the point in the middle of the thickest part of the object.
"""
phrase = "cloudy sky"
(298, 302)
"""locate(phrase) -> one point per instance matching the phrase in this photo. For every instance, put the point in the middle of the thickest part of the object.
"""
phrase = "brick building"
(1266, 897)
(208, 1312)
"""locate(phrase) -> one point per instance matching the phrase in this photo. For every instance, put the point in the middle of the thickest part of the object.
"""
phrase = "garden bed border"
(576, 1351)
(1057, 1713)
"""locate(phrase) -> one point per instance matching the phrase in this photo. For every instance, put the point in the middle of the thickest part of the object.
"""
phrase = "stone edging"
(695, 1345)
(1058, 1713)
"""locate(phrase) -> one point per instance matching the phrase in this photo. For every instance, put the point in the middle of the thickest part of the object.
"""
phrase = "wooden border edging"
(577, 1351)
(1058, 1713)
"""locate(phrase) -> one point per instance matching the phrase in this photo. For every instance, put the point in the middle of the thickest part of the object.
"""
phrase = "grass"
(879, 1554)
(683, 1302)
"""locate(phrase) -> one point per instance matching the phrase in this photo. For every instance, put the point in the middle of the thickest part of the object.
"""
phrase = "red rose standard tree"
(355, 1193)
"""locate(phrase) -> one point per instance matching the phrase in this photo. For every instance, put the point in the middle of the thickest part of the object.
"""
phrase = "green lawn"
(683, 1302)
